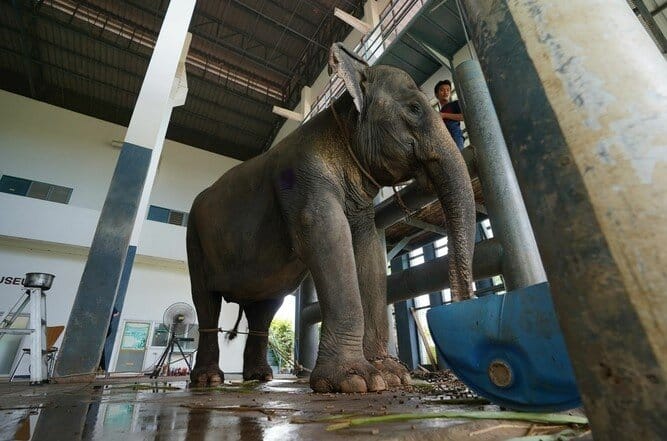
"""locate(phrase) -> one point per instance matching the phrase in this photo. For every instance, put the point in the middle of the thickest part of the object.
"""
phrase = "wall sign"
(135, 336)
(11, 280)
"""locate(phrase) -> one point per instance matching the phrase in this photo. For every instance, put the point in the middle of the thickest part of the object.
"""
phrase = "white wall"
(156, 288)
(46, 143)
(67, 265)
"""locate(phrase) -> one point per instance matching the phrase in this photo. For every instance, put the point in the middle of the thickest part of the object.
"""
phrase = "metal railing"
(393, 20)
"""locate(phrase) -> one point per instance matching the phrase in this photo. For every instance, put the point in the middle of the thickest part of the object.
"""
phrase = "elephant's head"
(399, 136)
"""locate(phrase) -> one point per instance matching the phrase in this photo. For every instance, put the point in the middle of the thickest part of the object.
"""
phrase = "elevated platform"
(431, 214)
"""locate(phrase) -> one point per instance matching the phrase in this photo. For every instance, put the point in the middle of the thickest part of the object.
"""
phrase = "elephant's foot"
(355, 375)
(258, 372)
(394, 372)
(206, 376)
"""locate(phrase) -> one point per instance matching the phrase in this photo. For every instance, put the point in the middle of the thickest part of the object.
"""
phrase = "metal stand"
(168, 351)
(36, 285)
(12, 314)
(38, 368)
(308, 334)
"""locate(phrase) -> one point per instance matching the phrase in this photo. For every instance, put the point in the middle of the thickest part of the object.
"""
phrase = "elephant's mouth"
(424, 181)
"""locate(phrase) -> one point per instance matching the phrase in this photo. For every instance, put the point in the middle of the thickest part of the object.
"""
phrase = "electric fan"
(176, 319)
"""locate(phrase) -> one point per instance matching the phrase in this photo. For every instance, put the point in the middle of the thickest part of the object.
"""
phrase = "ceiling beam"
(301, 16)
(145, 57)
(277, 23)
(145, 37)
(139, 77)
(23, 38)
(120, 115)
(256, 59)
(212, 20)
(131, 93)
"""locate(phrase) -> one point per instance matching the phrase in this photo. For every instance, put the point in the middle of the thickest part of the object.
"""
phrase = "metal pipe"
(522, 265)
(391, 322)
(428, 277)
(583, 112)
(308, 333)
(388, 212)
(433, 276)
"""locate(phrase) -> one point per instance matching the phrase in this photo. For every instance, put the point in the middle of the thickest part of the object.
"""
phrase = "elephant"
(306, 206)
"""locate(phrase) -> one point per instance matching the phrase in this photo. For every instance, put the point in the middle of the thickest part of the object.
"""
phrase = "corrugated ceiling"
(245, 57)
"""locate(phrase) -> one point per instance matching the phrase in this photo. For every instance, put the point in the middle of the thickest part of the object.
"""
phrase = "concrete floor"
(284, 409)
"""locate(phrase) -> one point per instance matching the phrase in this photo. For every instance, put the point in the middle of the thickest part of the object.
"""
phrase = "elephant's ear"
(350, 68)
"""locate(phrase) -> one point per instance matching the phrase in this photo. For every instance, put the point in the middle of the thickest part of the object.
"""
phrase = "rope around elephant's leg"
(229, 331)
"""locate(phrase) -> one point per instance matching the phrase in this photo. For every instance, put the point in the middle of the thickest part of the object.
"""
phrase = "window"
(176, 217)
(161, 335)
(35, 189)
(416, 257)
(441, 248)
(10, 184)
(488, 232)
(60, 194)
(167, 216)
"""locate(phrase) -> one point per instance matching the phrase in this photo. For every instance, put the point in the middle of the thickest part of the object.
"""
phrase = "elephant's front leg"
(323, 240)
(372, 275)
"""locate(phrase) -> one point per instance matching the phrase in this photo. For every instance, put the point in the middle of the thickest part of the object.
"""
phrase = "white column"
(38, 337)
(177, 95)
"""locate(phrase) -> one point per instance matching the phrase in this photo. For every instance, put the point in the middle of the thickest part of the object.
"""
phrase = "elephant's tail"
(231, 335)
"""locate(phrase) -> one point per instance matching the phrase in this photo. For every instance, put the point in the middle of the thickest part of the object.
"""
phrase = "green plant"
(281, 336)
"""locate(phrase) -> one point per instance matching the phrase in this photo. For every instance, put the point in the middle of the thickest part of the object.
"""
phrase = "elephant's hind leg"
(206, 371)
(260, 315)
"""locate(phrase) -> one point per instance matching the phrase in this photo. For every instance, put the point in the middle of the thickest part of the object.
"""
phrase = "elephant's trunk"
(450, 179)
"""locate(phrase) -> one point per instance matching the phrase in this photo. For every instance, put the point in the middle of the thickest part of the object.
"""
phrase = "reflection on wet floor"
(122, 412)
(274, 411)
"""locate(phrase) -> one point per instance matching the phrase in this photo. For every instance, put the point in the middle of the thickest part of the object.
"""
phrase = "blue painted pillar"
(435, 298)
(406, 329)
(308, 337)
(107, 271)
(482, 285)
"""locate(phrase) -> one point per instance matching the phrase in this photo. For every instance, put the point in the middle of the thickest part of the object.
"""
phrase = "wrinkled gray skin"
(306, 206)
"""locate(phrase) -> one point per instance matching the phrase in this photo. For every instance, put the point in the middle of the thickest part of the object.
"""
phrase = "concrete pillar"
(428, 277)
(580, 91)
(372, 13)
(406, 329)
(482, 284)
(38, 366)
(115, 241)
(435, 298)
(392, 345)
(309, 337)
(522, 265)
(306, 100)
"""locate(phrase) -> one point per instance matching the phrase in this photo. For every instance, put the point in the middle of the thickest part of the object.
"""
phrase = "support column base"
(78, 378)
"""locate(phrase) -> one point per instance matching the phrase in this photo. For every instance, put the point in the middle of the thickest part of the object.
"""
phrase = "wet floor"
(134, 409)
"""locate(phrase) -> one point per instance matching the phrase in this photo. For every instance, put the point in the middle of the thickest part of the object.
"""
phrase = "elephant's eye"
(415, 109)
